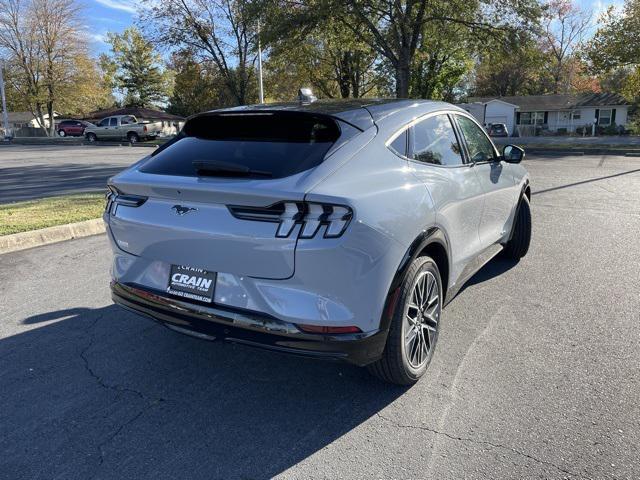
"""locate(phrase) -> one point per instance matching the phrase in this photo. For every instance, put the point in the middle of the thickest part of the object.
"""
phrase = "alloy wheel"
(421, 318)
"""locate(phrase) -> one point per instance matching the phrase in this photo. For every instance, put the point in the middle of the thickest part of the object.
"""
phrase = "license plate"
(193, 283)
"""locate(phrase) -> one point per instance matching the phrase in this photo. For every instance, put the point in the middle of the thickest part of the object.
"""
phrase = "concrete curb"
(45, 236)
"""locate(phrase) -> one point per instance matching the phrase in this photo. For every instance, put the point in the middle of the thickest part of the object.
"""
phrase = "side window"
(127, 121)
(399, 145)
(114, 122)
(104, 123)
(480, 147)
(434, 141)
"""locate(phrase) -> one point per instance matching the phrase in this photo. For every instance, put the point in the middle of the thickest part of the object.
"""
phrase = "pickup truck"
(120, 127)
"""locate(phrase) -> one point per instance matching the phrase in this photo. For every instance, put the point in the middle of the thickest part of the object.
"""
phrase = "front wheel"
(518, 246)
(414, 328)
(91, 137)
(61, 133)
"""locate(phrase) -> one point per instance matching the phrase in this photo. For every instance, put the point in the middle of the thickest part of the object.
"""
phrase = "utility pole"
(5, 115)
(261, 90)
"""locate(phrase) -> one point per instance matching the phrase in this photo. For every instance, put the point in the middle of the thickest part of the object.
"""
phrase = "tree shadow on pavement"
(104, 393)
(37, 181)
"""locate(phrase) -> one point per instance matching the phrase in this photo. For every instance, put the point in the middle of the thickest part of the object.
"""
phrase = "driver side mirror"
(512, 154)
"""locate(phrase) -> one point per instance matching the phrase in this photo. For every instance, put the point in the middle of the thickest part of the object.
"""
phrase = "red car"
(72, 128)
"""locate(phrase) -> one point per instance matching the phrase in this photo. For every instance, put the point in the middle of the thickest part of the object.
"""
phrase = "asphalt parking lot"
(30, 171)
(536, 375)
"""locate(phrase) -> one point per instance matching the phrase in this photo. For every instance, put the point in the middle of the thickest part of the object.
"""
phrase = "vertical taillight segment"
(116, 197)
(331, 220)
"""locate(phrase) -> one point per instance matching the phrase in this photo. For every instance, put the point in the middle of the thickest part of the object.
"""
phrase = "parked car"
(72, 128)
(498, 130)
(123, 127)
(333, 230)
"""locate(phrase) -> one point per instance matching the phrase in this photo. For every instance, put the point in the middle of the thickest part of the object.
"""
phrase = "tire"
(133, 137)
(91, 137)
(61, 133)
(400, 363)
(518, 246)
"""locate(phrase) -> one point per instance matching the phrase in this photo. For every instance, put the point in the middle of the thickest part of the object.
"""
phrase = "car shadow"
(494, 268)
(104, 393)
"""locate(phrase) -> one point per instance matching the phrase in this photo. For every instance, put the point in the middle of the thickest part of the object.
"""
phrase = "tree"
(134, 68)
(197, 87)
(222, 32)
(512, 67)
(46, 58)
(396, 30)
(325, 57)
(614, 51)
(563, 28)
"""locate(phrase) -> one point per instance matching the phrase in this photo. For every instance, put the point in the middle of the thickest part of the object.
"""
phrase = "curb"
(45, 236)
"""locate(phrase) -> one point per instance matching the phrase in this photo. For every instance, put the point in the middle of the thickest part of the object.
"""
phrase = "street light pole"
(5, 115)
(261, 90)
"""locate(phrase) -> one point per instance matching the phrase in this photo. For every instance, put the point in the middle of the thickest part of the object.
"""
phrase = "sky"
(115, 15)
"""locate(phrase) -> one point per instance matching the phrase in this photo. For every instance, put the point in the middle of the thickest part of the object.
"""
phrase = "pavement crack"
(481, 442)
(87, 365)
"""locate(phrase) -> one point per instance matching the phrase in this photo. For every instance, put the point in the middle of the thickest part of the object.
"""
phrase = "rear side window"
(434, 141)
(113, 122)
(479, 145)
(276, 144)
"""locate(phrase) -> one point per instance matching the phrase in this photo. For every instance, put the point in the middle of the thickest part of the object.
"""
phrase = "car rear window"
(280, 144)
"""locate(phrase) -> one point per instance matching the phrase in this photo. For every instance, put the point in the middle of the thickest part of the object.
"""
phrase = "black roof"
(359, 112)
(138, 112)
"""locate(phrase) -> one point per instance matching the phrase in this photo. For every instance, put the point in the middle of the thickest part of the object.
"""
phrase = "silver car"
(332, 229)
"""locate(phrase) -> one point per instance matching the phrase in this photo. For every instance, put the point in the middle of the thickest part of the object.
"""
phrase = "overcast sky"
(116, 15)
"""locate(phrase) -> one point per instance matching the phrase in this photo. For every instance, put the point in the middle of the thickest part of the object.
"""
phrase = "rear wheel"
(518, 246)
(91, 137)
(133, 137)
(61, 133)
(413, 332)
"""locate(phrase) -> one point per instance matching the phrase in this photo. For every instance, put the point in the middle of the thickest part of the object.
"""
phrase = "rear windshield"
(276, 144)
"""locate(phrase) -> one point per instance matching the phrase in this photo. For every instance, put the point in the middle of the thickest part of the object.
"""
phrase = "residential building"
(537, 114)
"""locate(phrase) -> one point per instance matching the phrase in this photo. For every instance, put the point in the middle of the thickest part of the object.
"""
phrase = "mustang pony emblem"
(180, 210)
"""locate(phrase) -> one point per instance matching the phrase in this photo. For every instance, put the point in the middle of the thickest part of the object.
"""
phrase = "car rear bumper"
(248, 328)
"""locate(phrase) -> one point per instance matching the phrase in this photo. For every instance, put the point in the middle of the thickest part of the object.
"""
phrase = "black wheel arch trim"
(429, 236)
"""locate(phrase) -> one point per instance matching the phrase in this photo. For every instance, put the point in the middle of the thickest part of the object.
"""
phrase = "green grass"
(47, 212)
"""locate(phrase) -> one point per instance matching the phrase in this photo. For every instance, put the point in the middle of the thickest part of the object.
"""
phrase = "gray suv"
(332, 229)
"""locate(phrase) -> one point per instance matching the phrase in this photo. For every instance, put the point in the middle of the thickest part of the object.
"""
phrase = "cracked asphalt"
(536, 374)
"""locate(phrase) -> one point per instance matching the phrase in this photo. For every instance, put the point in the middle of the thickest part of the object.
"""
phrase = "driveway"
(536, 374)
(30, 171)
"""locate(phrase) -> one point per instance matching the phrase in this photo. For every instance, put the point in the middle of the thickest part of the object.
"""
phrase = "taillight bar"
(310, 215)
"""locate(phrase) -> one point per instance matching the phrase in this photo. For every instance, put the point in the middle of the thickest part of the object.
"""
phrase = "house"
(25, 124)
(171, 124)
(533, 114)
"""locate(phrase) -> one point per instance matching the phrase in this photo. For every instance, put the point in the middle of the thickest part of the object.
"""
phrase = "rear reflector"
(325, 329)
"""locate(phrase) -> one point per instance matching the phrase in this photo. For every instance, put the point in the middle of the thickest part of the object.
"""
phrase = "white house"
(493, 111)
(533, 114)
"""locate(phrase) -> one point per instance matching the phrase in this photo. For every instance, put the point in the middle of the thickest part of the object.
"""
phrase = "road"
(30, 171)
(536, 375)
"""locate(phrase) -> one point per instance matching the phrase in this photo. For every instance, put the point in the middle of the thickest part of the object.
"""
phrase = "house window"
(531, 118)
(605, 117)
(576, 115)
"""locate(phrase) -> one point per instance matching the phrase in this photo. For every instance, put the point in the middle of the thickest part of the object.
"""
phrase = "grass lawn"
(47, 212)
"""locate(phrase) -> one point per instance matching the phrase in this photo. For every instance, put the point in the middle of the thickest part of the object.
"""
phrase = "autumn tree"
(564, 26)
(48, 66)
(222, 32)
(197, 86)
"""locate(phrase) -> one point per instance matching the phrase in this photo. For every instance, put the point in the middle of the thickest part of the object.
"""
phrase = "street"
(28, 171)
(536, 375)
